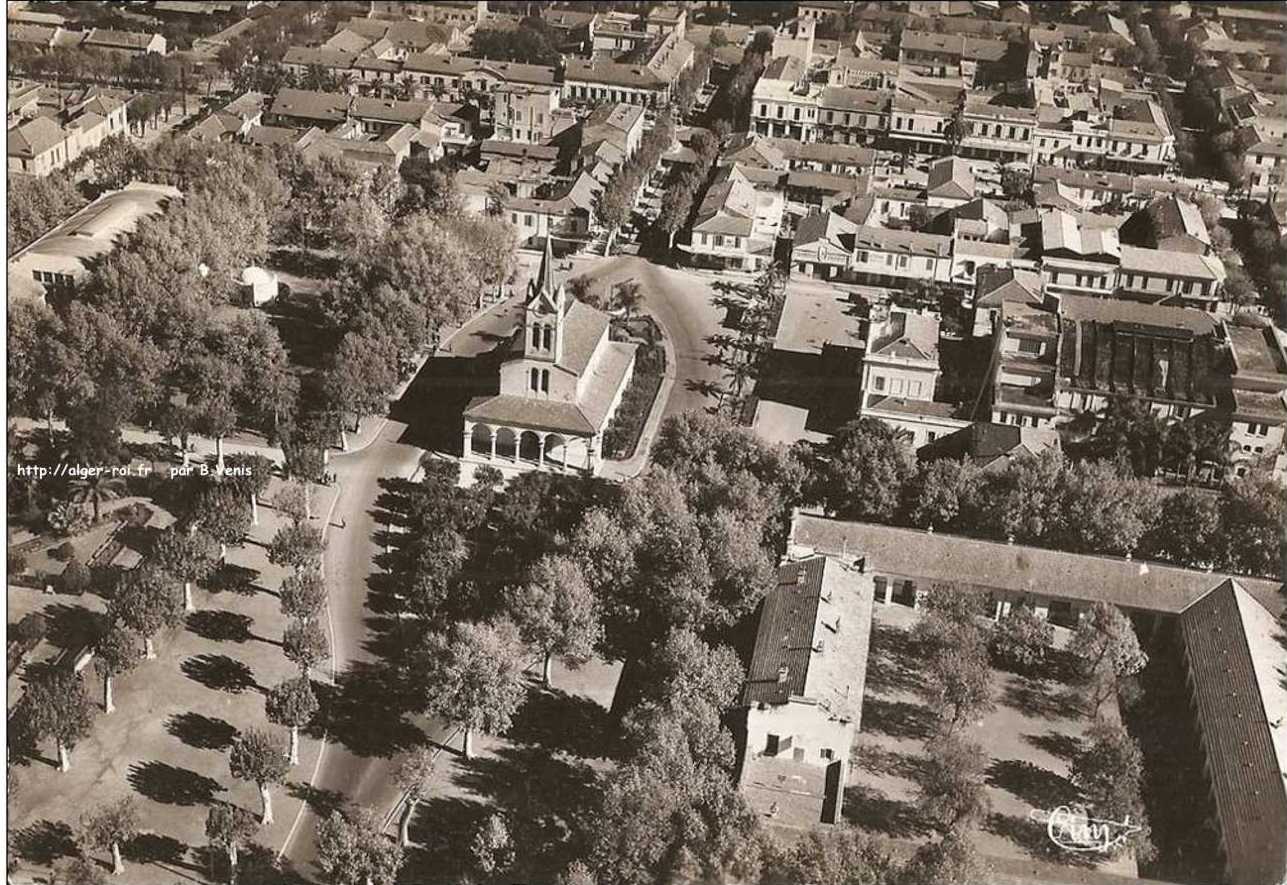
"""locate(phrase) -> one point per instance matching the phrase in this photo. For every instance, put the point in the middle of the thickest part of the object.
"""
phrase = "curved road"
(681, 303)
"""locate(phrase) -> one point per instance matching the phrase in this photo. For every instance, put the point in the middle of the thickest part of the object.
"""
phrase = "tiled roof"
(33, 138)
(995, 285)
(939, 557)
(330, 107)
(902, 242)
(951, 177)
(323, 58)
(1118, 310)
(1169, 263)
(1234, 649)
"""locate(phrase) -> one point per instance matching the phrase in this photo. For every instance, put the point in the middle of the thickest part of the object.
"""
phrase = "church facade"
(561, 381)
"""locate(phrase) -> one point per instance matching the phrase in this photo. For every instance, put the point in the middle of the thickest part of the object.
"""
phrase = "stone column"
(540, 449)
(468, 434)
(491, 453)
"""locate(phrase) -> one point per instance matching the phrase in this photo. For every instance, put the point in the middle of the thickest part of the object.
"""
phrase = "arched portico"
(542, 449)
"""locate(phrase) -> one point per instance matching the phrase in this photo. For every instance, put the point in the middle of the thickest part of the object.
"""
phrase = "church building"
(561, 380)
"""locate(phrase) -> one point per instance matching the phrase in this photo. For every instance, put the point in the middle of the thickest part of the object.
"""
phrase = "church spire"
(544, 282)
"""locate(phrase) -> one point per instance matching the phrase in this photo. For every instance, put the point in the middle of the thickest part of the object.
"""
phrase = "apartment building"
(785, 103)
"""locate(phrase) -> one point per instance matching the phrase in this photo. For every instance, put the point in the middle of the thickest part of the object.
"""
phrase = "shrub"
(66, 518)
(16, 562)
(64, 552)
(31, 629)
(1020, 640)
(75, 577)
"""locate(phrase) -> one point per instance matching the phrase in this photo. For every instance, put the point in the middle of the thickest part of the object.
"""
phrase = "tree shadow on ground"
(171, 785)
(200, 731)
(1039, 787)
(219, 673)
(44, 842)
(164, 851)
(364, 711)
(1031, 836)
(557, 721)
(256, 865)
(547, 799)
(231, 578)
(1061, 746)
(882, 762)
(870, 809)
(221, 626)
(1035, 697)
(898, 719)
(890, 665)
(72, 626)
(323, 802)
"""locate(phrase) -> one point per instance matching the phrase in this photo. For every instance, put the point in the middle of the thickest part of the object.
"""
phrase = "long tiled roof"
(955, 559)
(1234, 649)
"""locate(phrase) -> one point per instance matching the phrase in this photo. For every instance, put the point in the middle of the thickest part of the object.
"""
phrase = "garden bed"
(622, 436)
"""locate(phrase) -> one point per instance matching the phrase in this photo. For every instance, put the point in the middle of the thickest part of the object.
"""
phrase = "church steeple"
(543, 318)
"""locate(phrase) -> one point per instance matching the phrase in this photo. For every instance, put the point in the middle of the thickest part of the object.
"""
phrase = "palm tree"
(629, 297)
(95, 489)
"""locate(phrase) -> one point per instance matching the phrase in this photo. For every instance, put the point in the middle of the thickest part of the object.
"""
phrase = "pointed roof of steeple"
(544, 284)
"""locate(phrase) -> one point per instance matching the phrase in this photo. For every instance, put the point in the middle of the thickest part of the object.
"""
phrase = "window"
(880, 584)
(527, 221)
(902, 261)
(913, 388)
(826, 753)
(929, 263)
(897, 387)
(864, 256)
(536, 336)
(546, 338)
(533, 380)
(545, 381)
(878, 383)
(930, 436)
(1029, 346)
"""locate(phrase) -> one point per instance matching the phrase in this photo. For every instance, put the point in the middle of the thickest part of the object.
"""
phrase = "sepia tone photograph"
(709, 442)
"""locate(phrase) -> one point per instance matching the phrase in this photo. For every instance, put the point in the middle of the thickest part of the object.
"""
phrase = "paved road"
(681, 303)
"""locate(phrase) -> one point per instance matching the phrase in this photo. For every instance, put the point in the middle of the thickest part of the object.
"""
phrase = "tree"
(859, 473)
(352, 849)
(224, 517)
(943, 493)
(950, 861)
(107, 826)
(187, 556)
(94, 490)
(612, 205)
(533, 42)
(493, 846)
(115, 654)
(413, 775)
(1103, 509)
(296, 545)
(79, 870)
(292, 501)
(474, 677)
(1021, 639)
(953, 790)
(960, 682)
(362, 376)
(146, 605)
(1253, 511)
(556, 612)
(256, 757)
(1106, 649)
(303, 594)
(1109, 771)
(676, 204)
(249, 475)
(628, 297)
(1187, 530)
(304, 643)
(836, 856)
(292, 704)
(58, 708)
(229, 827)
(75, 578)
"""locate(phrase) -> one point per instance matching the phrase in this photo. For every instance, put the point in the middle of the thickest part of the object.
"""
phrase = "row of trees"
(868, 471)
(36, 204)
(615, 202)
(681, 193)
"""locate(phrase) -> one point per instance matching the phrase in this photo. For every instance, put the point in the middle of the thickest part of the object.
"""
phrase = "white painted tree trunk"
(293, 754)
(223, 552)
(267, 798)
(404, 832)
(344, 440)
(607, 244)
(188, 604)
(108, 706)
(219, 456)
(308, 500)
(232, 861)
(118, 865)
(64, 758)
(254, 509)
(149, 649)
(546, 672)
(468, 748)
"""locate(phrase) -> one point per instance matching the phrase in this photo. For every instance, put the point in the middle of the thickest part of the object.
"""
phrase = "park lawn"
(166, 743)
(1030, 736)
(541, 775)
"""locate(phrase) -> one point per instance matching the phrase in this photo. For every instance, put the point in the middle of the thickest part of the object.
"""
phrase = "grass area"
(166, 744)
(1031, 736)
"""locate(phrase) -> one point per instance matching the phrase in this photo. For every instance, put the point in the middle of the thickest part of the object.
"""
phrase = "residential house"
(919, 122)
(559, 383)
(1265, 161)
(785, 102)
(566, 211)
(990, 447)
(996, 132)
(1168, 222)
(1183, 279)
(523, 113)
(801, 702)
(900, 376)
(852, 115)
(125, 43)
(737, 224)
(1258, 390)
(648, 83)
(949, 55)
(951, 183)
(48, 142)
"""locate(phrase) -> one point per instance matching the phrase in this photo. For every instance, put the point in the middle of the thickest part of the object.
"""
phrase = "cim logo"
(1073, 830)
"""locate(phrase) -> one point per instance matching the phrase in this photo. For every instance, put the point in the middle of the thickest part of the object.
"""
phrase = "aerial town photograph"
(722, 442)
